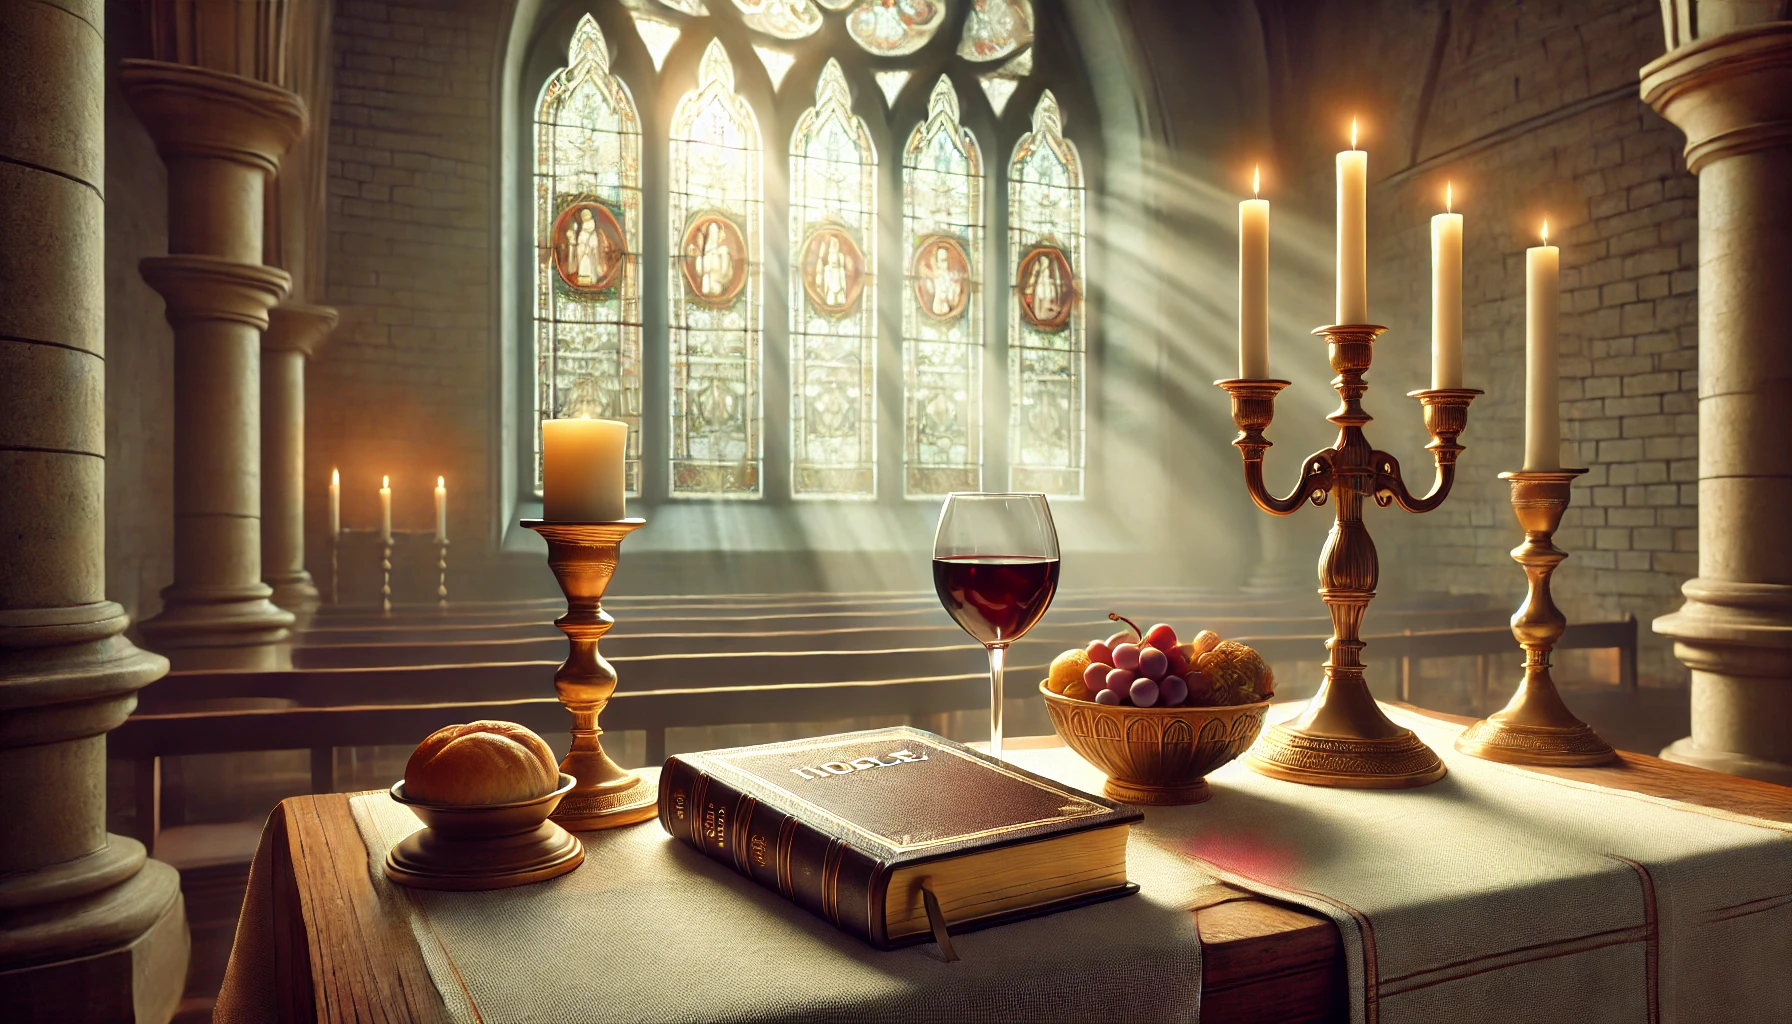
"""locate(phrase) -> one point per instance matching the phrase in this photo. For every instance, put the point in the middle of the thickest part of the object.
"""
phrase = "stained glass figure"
(942, 307)
(891, 28)
(996, 28)
(785, 19)
(833, 297)
(890, 83)
(1045, 327)
(715, 217)
(588, 244)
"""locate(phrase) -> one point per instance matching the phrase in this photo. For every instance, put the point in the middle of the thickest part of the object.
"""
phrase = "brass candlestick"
(583, 557)
(1536, 727)
(1342, 738)
(385, 575)
(441, 574)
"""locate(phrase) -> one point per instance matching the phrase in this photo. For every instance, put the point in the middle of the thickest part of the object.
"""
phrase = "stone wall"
(403, 386)
(1531, 110)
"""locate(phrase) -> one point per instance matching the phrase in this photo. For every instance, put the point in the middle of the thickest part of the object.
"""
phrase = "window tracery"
(714, 217)
(588, 236)
(942, 320)
(1045, 326)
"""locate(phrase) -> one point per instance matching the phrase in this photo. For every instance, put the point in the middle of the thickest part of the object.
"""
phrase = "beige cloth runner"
(649, 929)
(1499, 894)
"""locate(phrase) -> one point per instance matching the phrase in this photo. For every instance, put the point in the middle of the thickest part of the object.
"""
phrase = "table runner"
(1505, 894)
(649, 929)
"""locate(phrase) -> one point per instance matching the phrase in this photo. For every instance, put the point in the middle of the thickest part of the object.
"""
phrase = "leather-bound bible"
(855, 826)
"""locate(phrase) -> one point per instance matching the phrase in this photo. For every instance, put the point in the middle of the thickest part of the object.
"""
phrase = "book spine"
(823, 875)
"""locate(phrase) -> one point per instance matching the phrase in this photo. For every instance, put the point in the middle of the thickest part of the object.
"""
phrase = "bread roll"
(481, 763)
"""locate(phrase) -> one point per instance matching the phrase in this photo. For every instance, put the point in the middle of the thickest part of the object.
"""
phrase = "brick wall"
(1533, 113)
(403, 386)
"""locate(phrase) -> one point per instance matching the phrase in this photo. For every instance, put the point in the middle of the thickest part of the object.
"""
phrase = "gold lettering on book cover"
(905, 843)
(786, 841)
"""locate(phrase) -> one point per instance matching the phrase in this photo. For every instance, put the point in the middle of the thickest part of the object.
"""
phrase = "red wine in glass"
(995, 598)
(995, 568)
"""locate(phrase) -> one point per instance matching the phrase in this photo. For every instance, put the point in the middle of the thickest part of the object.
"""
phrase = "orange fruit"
(1067, 668)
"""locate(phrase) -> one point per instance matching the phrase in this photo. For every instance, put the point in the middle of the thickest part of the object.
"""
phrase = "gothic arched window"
(588, 247)
(976, 276)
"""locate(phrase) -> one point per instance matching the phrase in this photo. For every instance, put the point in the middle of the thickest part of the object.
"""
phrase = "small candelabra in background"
(387, 536)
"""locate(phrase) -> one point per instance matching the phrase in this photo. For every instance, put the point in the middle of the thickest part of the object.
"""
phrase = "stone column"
(221, 136)
(90, 930)
(1732, 96)
(295, 333)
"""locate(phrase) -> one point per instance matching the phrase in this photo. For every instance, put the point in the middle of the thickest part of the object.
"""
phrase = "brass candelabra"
(583, 557)
(1536, 727)
(1342, 738)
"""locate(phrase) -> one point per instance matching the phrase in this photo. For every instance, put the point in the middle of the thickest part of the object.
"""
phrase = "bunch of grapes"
(1151, 669)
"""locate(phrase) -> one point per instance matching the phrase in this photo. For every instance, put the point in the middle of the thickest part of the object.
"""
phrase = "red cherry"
(1162, 637)
(1179, 665)
(1100, 652)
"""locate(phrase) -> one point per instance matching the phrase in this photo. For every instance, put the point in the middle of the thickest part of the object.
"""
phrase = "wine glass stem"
(996, 656)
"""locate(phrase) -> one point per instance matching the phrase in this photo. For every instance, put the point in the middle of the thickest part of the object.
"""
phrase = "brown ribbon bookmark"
(938, 922)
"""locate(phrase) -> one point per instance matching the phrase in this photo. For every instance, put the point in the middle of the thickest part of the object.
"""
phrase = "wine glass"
(995, 568)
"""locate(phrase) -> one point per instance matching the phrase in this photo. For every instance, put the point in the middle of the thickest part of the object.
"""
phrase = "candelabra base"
(1399, 761)
(1551, 746)
(621, 801)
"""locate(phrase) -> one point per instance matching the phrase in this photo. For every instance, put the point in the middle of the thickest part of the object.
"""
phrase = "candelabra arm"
(1315, 482)
(1446, 414)
(1253, 406)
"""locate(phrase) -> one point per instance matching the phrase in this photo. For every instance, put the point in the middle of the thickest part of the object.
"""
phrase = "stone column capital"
(197, 112)
(1730, 94)
(298, 327)
(212, 288)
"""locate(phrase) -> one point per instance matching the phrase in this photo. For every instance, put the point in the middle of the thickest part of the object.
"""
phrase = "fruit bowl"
(1158, 755)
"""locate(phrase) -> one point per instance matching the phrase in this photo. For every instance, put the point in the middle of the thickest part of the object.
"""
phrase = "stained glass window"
(1045, 323)
(996, 28)
(891, 28)
(588, 245)
(714, 217)
(942, 314)
(833, 297)
(785, 19)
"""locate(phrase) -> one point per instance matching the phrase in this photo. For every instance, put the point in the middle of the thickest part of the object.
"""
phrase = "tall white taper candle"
(1542, 428)
(1253, 285)
(1353, 253)
(335, 503)
(441, 509)
(385, 508)
(1446, 297)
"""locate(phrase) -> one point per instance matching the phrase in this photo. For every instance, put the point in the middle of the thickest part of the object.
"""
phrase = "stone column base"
(1684, 751)
(138, 977)
(1737, 639)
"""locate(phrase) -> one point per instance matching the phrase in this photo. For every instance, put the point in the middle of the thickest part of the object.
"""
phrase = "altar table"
(340, 956)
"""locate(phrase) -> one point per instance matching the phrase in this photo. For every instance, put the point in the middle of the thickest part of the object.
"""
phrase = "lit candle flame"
(1449, 196)
(385, 483)
(441, 483)
(1353, 133)
(1256, 179)
(335, 478)
(1546, 231)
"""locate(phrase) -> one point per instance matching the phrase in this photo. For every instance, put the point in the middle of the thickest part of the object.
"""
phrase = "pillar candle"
(1446, 297)
(335, 503)
(1542, 430)
(385, 508)
(1353, 253)
(581, 470)
(1253, 285)
(441, 508)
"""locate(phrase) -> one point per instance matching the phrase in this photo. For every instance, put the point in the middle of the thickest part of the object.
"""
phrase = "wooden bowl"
(1155, 755)
(468, 847)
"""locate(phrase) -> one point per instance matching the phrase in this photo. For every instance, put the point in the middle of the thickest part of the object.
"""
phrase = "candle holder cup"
(1342, 738)
(1536, 727)
(583, 557)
